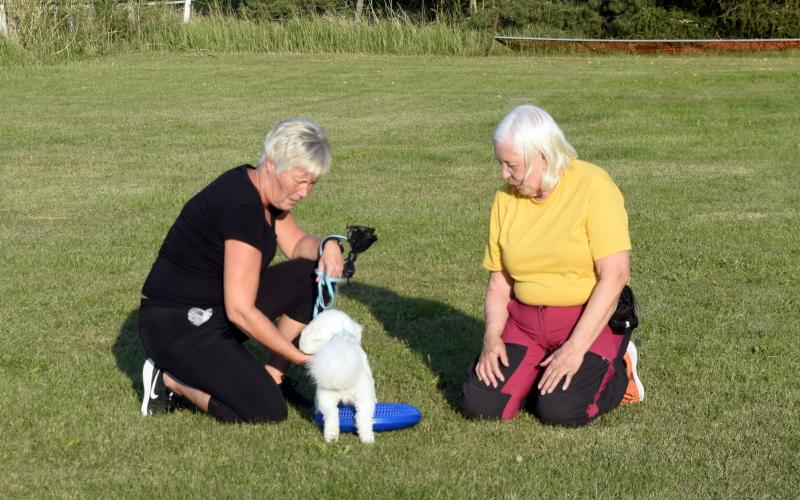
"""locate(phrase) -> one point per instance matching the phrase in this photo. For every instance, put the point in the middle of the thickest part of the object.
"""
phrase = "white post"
(3, 25)
(187, 10)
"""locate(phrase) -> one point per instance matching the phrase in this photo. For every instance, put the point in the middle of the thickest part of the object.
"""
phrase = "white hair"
(531, 130)
(297, 143)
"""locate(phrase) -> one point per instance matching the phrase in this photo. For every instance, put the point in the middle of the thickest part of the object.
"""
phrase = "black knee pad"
(272, 417)
(274, 412)
(479, 400)
(570, 408)
(563, 409)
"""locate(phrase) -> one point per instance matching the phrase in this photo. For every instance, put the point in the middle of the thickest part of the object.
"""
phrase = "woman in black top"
(211, 287)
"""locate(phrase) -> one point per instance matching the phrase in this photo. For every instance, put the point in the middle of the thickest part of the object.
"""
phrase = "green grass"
(97, 157)
(318, 34)
(50, 34)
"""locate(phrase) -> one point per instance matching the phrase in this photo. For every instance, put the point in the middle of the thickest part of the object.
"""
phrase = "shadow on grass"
(445, 338)
(128, 352)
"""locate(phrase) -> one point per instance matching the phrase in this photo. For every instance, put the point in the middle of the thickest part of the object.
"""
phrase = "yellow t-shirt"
(549, 247)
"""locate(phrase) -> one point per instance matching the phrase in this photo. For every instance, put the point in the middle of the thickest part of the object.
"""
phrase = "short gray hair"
(297, 143)
(532, 130)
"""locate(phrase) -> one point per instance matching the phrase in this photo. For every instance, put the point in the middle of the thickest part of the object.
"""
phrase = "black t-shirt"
(189, 266)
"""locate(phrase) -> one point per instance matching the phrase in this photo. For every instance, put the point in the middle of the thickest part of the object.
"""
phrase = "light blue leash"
(325, 282)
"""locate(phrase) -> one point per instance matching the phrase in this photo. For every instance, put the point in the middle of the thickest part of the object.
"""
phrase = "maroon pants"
(530, 335)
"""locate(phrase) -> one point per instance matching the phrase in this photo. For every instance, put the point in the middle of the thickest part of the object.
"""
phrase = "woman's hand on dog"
(305, 358)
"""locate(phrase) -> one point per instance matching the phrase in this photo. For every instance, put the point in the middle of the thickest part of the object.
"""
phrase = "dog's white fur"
(341, 371)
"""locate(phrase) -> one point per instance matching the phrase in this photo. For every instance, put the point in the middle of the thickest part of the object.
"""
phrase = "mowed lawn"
(97, 158)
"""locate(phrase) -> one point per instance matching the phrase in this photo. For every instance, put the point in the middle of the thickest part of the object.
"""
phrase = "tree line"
(591, 18)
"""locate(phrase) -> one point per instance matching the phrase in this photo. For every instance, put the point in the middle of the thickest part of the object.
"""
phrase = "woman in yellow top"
(559, 255)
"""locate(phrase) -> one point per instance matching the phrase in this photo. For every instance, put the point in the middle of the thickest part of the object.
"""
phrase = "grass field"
(97, 157)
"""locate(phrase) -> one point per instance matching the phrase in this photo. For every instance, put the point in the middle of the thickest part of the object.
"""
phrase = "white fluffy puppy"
(341, 371)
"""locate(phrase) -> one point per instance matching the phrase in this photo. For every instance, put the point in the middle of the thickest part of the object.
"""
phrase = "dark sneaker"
(293, 395)
(157, 398)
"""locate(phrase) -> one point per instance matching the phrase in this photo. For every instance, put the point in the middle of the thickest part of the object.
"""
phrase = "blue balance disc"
(388, 417)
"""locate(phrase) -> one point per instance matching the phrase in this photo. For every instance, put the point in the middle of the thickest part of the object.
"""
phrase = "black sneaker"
(157, 398)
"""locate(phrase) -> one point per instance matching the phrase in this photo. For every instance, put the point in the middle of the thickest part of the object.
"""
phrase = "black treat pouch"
(624, 318)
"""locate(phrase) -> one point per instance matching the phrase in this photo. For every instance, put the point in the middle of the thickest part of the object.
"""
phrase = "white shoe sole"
(147, 382)
(634, 361)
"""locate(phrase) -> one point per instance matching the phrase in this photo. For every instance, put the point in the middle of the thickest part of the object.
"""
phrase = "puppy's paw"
(331, 437)
(367, 437)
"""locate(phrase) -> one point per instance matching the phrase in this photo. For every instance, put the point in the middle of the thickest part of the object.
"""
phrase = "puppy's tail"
(337, 365)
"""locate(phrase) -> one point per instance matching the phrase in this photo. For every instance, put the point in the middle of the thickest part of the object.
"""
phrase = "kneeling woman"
(211, 287)
(558, 253)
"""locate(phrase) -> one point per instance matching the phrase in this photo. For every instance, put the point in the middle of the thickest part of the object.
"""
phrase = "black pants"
(206, 352)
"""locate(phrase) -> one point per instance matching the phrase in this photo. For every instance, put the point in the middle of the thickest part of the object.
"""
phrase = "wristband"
(334, 237)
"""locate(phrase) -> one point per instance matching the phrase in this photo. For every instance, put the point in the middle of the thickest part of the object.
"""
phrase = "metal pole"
(3, 25)
(187, 10)
(494, 33)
